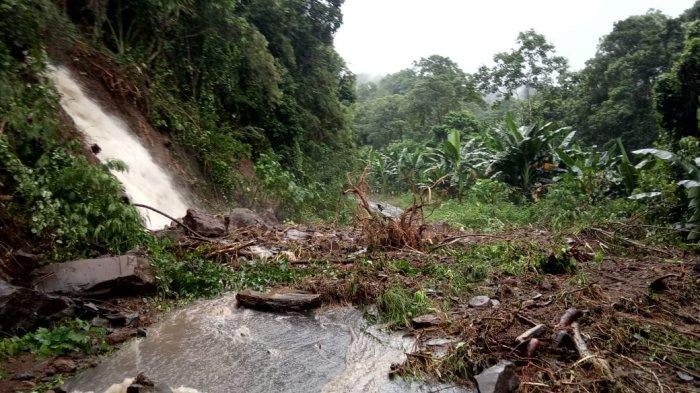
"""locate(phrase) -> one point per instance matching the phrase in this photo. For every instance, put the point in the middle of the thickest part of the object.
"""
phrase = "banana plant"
(691, 184)
(458, 161)
(519, 149)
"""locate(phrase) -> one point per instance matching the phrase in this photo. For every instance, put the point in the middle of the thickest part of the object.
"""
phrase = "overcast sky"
(384, 36)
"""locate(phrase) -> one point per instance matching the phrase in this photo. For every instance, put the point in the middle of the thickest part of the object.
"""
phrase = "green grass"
(561, 208)
(397, 305)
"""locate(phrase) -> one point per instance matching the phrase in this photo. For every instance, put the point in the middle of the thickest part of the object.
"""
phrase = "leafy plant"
(691, 183)
(72, 336)
(520, 150)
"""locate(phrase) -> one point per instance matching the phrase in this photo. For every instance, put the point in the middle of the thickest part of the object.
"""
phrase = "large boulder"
(126, 274)
(24, 308)
(204, 224)
(244, 218)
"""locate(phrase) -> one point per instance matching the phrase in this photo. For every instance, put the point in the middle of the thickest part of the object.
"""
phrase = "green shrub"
(71, 336)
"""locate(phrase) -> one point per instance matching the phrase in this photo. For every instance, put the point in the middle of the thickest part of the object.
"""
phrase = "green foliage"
(398, 305)
(71, 336)
(406, 105)
(520, 150)
(691, 183)
(189, 275)
(62, 198)
(676, 92)
(614, 96)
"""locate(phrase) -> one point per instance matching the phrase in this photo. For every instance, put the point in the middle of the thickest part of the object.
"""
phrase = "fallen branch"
(175, 220)
(227, 250)
(530, 333)
(632, 242)
(600, 364)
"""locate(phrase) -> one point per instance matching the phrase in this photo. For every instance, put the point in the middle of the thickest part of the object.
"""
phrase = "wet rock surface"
(244, 218)
(500, 378)
(204, 224)
(279, 300)
(24, 308)
(215, 346)
(97, 277)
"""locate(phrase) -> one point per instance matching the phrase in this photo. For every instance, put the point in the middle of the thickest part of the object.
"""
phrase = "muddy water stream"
(144, 180)
(213, 346)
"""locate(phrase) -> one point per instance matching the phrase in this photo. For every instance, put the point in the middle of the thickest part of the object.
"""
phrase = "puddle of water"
(213, 346)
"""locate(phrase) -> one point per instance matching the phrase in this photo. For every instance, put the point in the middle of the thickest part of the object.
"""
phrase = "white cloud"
(383, 36)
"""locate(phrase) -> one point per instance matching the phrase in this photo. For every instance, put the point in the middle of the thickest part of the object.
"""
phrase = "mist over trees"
(612, 97)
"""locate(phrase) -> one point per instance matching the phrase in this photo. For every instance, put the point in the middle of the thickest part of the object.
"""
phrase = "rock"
(204, 224)
(92, 277)
(685, 377)
(279, 300)
(23, 376)
(495, 303)
(500, 378)
(480, 302)
(386, 210)
(24, 309)
(142, 332)
(257, 252)
(119, 319)
(426, 321)
(64, 366)
(100, 322)
(120, 336)
(297, 235)
(244, 218)
(96, 149)
(142, 379)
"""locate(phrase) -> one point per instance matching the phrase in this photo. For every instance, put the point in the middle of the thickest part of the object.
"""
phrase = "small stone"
(27, 385)
(426, 320)
(495, 303)
(480, 302)
(528, 303)
(23, 376)
(100, 322)
(685, 377)
(142, 332)
(500, 378)
(118, 337)
(142, 379)
(64, 366)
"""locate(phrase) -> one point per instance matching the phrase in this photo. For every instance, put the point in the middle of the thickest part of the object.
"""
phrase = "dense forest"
(522, 178)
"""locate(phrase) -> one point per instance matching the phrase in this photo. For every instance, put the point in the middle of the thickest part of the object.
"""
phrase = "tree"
(530, 67)
(676, 92)
(614, 97)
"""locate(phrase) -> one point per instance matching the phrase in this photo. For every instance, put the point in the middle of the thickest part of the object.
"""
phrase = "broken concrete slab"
(279, 300)
(204, 224)
(24, 308)
(126, 274)
(500, 378)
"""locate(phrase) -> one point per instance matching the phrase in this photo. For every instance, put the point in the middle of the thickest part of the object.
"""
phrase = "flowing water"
(213, 346)
(144, 181)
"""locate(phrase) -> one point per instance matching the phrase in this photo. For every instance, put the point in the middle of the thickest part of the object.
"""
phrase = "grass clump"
(398, 305)
(71, 336)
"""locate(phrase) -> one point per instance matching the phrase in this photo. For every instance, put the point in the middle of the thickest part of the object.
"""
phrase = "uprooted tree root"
(384, 233)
